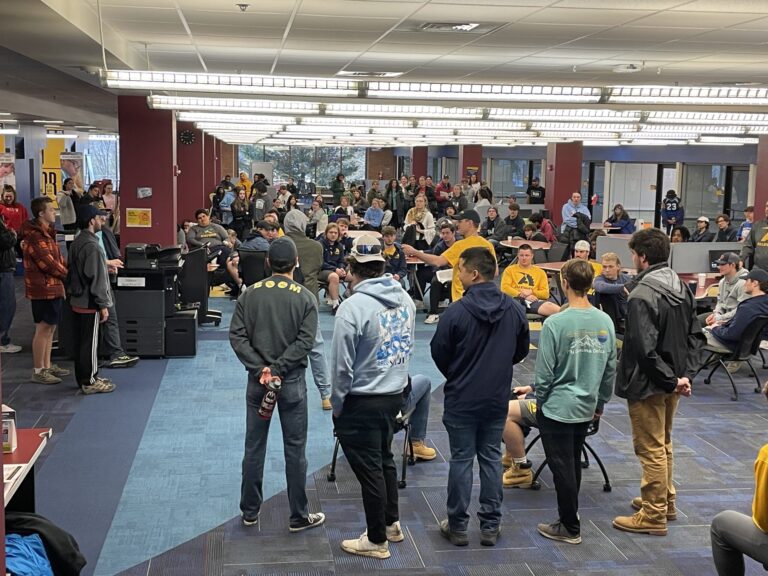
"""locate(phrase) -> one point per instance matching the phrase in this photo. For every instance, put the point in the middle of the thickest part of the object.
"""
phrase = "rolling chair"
(252, 265)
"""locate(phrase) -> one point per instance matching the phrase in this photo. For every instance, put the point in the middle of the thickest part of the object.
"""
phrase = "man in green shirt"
(575, 369)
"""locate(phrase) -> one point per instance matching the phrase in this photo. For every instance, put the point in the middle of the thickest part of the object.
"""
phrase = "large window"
(102, 161)
(509, 178)
(634, 187)
(353, 163)
(703, 192)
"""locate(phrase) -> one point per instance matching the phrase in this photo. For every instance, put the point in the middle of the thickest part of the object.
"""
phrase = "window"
(509, 178)
(302, 164)
(249, 153)
(703, 192)
(353, 163)
(103, 161)
(327, 164)
(280, 156)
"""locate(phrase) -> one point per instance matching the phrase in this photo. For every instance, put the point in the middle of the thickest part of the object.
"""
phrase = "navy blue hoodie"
(730, 334)
(477, 341)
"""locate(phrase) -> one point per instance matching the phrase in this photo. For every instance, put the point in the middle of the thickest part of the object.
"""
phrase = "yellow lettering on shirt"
(269, 283)
(282, 284)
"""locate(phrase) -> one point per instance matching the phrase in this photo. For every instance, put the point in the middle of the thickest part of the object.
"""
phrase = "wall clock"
(187, 137)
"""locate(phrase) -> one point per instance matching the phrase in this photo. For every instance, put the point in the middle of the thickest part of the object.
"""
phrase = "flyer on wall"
(7, 169)
(73, 166)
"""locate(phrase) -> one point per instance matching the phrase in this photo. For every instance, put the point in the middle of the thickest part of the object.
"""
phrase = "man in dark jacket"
(755, 251)
(513, 225)
(659, 357)
(7, 287)
(90, 298)
(473, 334)
(728, 335)
(272, 331)
(725, 232)
(702, 233)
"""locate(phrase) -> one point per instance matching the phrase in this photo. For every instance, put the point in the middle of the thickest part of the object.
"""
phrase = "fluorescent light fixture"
(472, 125)
(650, 142)
(722, 140)
(674, 135)
(563, 115)
(105, 137)
(497, 133)
(5, 113)
(580, 135)
(313, 129)
(232, 105)
(227, 83)
(414, 131)
(8, 131)
(363, 74)
(48, 121)
(404, 111)
(367, 122)
(60, 135)
(731, 118)
(719, 96)
(487, 92)
(233, 118)
(236, 127)
(580, 127)
(701, 129)
(600, 143)
(758, 130)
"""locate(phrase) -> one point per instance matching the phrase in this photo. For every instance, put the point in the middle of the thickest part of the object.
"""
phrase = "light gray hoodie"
(373, 340)
(730, 294)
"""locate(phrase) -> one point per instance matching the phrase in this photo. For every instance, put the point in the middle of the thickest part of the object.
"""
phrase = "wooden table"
(357, 233)
(599, 226)
(29, 446)
(533, 244)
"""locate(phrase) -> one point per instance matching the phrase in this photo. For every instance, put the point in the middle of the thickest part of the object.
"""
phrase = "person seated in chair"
(581, 252)
(532, 234)
(702, 233)
(334, 269)
(416, 397)
(259, 239)
(528, 284)
(344, 238)
(393, 254)
(544, 226)
(491, 221)
(611, 288)
(374, 215)
(427, 274)
(210, 234)
(730, 290)
(521, 415)
(277, 219)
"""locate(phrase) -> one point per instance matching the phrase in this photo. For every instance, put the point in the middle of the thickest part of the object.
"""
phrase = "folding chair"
(403, 423)
(748, 347)
(593, 429)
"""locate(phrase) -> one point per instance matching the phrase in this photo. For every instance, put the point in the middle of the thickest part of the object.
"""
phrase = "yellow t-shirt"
(760, 502)
(452, 255)
(516, 277)
(597, 268)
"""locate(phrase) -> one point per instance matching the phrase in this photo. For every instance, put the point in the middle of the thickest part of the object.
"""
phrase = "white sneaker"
(10, 349)
(764, 345)
(432, 319)
(395, 533)
(364, 547)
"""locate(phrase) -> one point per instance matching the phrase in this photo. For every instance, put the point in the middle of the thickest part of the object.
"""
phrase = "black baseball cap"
(282, 251)
(86, 213)
(469, 215)
(728, 258)
(758, 274)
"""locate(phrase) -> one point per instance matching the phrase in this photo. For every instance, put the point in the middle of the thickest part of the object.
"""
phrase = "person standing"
(659, 358)
(672, 212)
(535, 192)
(67, 200)
(475, 332)
(573, 379)
(371, 351)
(14, 213)
(272, 331)
(90, 298)
(7, 287)
(44, 275)
(755, 250)
(746, 226)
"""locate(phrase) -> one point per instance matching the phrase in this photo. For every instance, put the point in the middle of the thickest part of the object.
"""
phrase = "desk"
(413, 279)
(30, 444)
(531, 243)
(357, 233)
(600, 226)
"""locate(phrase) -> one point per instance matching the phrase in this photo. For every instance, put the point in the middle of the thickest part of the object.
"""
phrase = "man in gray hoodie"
(370, 355)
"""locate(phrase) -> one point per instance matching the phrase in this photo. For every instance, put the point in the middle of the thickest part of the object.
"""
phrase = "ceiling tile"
(734, 58)
(733, 35)
(574, 16)
(640, 33)
(607, 45)
(476, 13)
(448, 39)
(213, 31)
(611, 4)
(237, 19)
(237, 41)
(363, 8)
(759, 24)
(675, 19)
(436, 49)
(748, 6)
(153, 14)
(303, 36)
(229, 6)
(336, 24)
(133, 29)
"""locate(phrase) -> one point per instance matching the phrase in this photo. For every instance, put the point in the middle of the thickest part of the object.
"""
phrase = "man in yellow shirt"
(734, 534)
(467, 224)
(528, 284)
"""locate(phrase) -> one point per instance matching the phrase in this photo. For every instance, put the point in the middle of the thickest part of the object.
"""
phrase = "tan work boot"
(637, 504)
(327, 404)
(506, 460)
(517, 477)
(423, 452)
(639, 524)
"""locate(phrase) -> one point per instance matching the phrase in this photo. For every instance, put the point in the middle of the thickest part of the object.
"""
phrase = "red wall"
(210, 175)
(563, 176)
(147, 159)
(470, 156)
(190, 183)
(761, 178)
(419, 161)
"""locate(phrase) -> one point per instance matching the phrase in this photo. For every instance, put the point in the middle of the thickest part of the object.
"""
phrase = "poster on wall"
(73, 166)
(7, 169)
(51, 180)
(138, 217)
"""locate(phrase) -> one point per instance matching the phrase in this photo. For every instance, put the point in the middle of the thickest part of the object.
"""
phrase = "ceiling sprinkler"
(243, 7)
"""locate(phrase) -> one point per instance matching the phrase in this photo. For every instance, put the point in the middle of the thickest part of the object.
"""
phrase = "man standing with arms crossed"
(659, 357)
(272, 331)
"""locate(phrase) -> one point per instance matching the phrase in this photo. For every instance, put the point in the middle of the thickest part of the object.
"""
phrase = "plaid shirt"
(44, 267)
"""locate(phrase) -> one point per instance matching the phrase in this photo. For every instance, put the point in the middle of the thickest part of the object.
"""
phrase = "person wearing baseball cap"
(702, 233)
(581, 251)
(467, 223)
(373, 340)
(272, 331)
(730, 290)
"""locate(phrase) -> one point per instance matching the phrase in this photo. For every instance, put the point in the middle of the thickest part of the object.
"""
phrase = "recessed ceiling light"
(465, 27)
(48, 121)
(448, 26)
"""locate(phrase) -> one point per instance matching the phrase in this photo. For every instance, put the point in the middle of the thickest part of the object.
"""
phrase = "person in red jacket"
(44, 275)
(13, 213)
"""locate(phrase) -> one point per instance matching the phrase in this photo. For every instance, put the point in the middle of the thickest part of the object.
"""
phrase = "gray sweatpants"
(734, 535)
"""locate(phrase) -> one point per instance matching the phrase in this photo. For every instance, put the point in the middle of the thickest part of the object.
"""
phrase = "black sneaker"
(249, 521)
(455, 538)
(311, 521)
(489, 537)
(123, 361)
(556, 531)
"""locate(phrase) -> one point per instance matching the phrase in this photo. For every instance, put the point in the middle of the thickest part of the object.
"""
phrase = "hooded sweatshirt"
(372, 341)
(663, 336)
(310, 251)
(730, 293)
(731, 333)
(756, 246)
(474, 334)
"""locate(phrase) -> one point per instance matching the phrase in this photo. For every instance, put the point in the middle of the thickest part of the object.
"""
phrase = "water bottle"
(270, 398)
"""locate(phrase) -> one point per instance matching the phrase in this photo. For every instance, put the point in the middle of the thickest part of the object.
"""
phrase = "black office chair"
(593, 429)
(558, 252)
(311, 230)
(252, 265)
(748, 347)
(403, 423)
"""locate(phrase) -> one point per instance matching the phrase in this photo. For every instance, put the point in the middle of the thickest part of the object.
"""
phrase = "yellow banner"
(51, 181)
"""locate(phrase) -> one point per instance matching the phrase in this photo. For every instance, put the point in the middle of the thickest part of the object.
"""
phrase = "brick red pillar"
(419, 161)
(761, 178)
(217, 162)
(147, 160)
(563, 176)
(470, 158)
(210, 178)
(191, 182)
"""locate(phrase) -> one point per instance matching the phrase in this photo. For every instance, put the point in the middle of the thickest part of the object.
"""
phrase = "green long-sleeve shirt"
(575, 364)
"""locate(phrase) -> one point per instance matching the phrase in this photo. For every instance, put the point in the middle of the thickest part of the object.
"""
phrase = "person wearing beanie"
(272, 332)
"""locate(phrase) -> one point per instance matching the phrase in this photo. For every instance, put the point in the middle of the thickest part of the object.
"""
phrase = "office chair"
(593, 429)
(252, 265)
(403, 423)
(748, 347)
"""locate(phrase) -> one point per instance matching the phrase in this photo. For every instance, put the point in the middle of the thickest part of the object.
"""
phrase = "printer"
(151, 256)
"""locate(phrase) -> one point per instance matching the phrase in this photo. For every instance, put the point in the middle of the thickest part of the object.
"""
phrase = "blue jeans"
(421, 391)
(292, 406)
(469, 437)
(7, 306)
(318, 365)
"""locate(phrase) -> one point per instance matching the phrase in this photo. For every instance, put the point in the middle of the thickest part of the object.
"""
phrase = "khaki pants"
(651, 420)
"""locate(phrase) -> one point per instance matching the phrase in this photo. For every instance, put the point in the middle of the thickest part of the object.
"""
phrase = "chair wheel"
(401, 484)
(536, 486)
(734, 398)
(331, 477)
(607, 487)
(584, 464)
(411, 461)
(707, 380)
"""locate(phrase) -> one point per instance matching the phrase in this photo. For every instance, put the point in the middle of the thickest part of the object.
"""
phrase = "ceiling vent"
(628, 68)
(449, 26)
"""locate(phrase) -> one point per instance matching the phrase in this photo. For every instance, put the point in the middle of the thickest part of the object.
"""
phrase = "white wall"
(631, 187)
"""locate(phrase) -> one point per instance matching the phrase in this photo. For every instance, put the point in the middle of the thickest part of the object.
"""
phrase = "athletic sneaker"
(100, 386)
(455, 538)
(395, 532)
(432, 319)
(556, 531)
(364, 547)
(249, 521)
(311, 521)
(58, 371)
(45, 377)
(10, 349)
(123, 361)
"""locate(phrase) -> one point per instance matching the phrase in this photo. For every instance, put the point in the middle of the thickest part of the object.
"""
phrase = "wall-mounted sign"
(144, 192)
(138, 217)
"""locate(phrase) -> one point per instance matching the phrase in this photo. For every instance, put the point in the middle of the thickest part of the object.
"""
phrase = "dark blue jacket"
(730, 334)
(396, 262)
(472, 347)
(625, 224)
(333, 255)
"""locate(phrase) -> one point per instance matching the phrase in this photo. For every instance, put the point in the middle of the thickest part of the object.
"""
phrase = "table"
(357, 233)
(531, 243)
(623, 236)
(600, 226)
(413, 280)
(30, 444)
(701, 291)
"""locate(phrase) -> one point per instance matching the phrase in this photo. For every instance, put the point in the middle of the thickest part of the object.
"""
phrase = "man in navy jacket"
(730, 334)
(470, 347)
